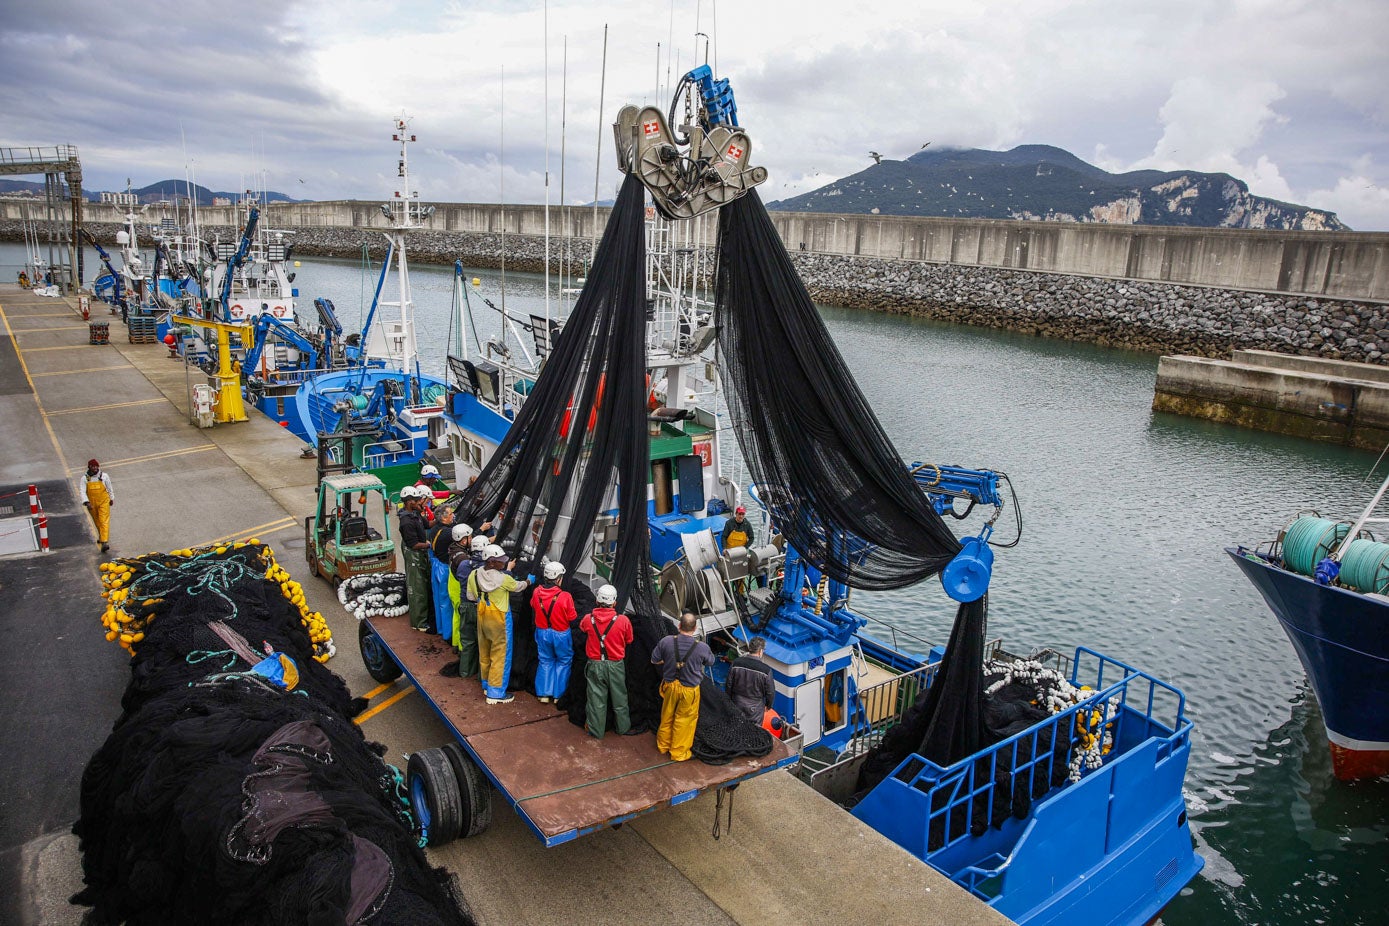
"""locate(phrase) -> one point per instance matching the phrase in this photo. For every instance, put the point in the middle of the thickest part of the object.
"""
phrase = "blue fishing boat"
(366, 387)
(1327, 582)
(1075, 815)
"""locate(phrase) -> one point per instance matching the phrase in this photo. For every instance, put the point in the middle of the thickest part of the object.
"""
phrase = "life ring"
(238, 311)
(278, 311)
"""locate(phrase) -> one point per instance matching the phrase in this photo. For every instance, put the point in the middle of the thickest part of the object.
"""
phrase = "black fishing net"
(846, 499)
(583, 426)
(183, 822)
(833, 483)
(234, 790)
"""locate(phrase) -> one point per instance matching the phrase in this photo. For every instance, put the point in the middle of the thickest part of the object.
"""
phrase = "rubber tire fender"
(429, 775)
(474, 791)
(379, 665)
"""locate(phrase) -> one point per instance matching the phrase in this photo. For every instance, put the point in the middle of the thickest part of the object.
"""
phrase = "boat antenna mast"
(406, 213)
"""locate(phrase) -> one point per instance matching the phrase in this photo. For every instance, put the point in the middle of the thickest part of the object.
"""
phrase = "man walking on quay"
(100, 498)
(414, 545)
(682, 659)
(606, 674)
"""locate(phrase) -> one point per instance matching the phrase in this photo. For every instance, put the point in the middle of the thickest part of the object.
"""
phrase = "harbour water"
(1125, 516)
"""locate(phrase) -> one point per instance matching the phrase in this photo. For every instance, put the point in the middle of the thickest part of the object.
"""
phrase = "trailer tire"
(434, 795)
(474, 792)
(379, 664)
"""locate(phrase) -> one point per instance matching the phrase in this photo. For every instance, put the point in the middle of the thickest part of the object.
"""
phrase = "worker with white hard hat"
(605, 676)
(467, 558)
(414, 546)
(491, 587)
(553, 608)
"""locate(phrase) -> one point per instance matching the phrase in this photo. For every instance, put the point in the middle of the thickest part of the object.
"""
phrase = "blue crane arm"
(105, 259)
(236, 259)
(266, 325)
(944, 484)
(376, 297)
(327, 316)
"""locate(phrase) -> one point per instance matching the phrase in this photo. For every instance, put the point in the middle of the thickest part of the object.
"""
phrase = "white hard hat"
(407, 492)
(494, 552)
(461, 532)
(429, 469)
(479, 543)
(554, 569)
(607, 595)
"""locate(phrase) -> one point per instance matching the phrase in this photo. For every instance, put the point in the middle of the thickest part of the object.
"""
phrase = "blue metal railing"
(1126, 705)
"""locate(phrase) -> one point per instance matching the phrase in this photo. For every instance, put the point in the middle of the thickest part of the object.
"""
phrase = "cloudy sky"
(1288, 95)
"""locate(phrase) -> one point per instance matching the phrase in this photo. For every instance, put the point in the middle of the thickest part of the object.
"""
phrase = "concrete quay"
(791, 856)
(1330, 400)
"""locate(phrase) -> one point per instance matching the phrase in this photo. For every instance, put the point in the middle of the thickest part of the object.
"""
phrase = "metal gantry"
(62, 175)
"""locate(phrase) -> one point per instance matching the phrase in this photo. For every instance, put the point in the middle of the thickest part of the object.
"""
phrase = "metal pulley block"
(685, 180)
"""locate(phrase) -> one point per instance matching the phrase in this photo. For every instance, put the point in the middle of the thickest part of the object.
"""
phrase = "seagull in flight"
(877, 158)
(924, 147)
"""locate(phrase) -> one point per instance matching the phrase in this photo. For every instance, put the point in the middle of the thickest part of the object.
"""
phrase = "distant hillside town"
(1043, 183)
(160, 192)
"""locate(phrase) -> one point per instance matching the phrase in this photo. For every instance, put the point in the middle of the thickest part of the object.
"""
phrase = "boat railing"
(387, 453)
(1126, 708)
(896, 633)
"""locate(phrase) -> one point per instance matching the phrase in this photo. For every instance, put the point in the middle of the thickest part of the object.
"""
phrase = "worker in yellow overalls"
(99, 501)
(737, 532)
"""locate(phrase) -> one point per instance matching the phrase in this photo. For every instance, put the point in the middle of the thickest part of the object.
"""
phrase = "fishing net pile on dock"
(234, 788)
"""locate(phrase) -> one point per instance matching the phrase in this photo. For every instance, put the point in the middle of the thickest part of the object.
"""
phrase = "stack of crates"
(141, 329)
(100, 332)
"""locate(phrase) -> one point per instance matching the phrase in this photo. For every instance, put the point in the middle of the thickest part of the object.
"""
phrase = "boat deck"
(583, 784)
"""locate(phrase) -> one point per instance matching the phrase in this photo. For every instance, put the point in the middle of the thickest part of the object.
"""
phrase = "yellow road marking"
(58, 328)
(151, 456)
(102, 408)
(87, 370)
(366, 715)
(48, 425)
(45, 314)
(378, 689)
(33, 350)
(269, 527)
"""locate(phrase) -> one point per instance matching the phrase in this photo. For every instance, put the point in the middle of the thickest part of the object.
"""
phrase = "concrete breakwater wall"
(1136, 314)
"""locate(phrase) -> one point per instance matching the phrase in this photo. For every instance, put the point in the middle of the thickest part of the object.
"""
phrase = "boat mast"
(406, 215)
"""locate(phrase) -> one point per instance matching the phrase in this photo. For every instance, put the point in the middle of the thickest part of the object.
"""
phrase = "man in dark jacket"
(414, 544)
(750, 683)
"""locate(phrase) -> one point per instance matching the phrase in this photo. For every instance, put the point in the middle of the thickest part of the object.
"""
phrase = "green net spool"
(1365, 566)
(1310, 540)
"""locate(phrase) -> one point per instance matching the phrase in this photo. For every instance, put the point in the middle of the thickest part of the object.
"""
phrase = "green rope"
(1309, 540)
(600, 781)
(202, 655)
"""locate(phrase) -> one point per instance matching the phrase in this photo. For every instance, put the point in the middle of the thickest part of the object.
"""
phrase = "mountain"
(155, 192)
(1044, 183)
(29, 188)
(170, 189)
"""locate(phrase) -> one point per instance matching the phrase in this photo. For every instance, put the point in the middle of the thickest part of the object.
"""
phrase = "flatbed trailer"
(562, 782)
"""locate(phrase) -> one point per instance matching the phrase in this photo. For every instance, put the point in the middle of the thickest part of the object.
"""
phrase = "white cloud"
(307, 87)
(1359, 201)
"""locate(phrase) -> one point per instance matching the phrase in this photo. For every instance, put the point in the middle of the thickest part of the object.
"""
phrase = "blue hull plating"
(1342, 638)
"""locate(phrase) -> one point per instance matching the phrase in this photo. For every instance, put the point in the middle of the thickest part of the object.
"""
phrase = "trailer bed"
(563, 782)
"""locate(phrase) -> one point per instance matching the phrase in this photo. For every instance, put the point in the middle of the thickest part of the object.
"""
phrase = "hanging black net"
(834, 484)
(583, 426)
(840, 493)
